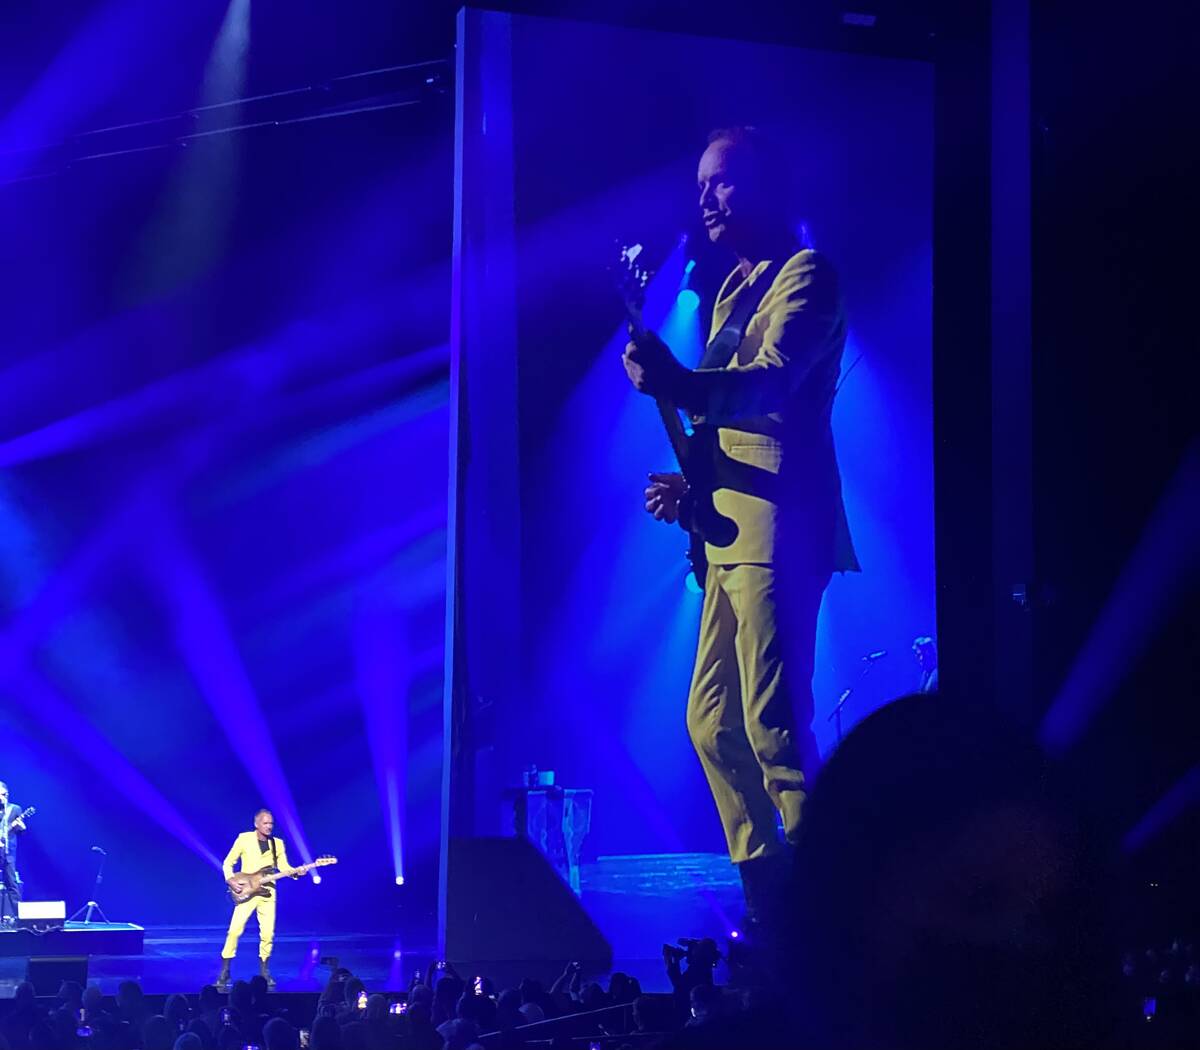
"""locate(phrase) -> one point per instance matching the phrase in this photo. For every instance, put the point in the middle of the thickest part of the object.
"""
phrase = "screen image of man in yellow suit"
(254, 850)
(765, 409)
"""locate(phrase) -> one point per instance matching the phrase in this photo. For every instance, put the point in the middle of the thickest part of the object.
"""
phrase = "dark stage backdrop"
(607, 127)
(223, 413)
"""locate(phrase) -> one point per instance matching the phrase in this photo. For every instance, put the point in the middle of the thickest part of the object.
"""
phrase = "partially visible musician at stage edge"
(767, 386)
(11, 826)
(254, 850)
(925, 651)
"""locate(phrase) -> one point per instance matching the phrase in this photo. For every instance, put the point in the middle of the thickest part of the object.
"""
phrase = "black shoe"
(266, 973)
(223, 976)
(765, 883)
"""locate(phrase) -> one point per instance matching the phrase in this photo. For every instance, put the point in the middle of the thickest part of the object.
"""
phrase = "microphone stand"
(93, 907)
(836, 714)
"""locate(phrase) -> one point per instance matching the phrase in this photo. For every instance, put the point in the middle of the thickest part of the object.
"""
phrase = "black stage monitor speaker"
(506, 903)
(47, 972)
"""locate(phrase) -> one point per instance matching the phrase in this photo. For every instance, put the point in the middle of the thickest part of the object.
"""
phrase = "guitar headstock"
(27, 812)
(320, 862)
(631, 274)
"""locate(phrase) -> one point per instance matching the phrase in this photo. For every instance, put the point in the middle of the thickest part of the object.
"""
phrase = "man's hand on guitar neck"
(664, 496)
(652, 368)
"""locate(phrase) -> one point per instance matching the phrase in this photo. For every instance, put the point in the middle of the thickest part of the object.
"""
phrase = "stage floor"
(639, 902)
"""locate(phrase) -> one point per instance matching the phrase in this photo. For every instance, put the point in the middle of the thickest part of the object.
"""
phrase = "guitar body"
(245, 886)
(22, 816)
(694, 454)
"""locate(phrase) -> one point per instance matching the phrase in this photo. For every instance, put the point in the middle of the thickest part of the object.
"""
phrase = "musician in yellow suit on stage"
(762, 402)
(255, 850)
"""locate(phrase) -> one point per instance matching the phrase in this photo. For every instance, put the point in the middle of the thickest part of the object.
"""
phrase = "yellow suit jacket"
(772, 405)
(246, 850)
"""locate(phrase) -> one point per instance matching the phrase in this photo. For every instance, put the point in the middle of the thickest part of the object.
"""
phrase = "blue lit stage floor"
(637, 901)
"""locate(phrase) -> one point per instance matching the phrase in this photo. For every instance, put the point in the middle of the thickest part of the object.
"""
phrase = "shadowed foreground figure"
(948, 894)
(945, 895)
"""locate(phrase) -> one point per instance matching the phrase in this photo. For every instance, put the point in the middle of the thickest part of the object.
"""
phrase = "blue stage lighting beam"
(74, 731)
(383, 670)
(1161, 568)
(1183, 796)
(208, 648)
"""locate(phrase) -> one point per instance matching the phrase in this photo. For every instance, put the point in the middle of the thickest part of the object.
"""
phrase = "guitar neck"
(676, 433)
(669, 414)
(277, 875)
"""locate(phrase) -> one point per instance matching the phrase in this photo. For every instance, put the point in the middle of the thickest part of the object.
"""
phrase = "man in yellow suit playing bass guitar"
(257, 849)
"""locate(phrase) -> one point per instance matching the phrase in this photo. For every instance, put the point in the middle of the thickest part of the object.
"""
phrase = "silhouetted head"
(177, 1011)
(240, 998)
(325, 1035)
(259, 989)
(198, 1027)
(353, 988)
(130, 1000)
(420, 1014)
(158, 1033)
(210, 999)
(458, 1033)
(448, 991)
(279, 1035)
(945, 893)
(70, 994)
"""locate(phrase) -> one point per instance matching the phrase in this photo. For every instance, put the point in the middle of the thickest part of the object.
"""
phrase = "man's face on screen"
(729, 192)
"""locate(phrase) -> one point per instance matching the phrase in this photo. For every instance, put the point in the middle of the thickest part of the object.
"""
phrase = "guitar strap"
(274, 856)
(724, 344)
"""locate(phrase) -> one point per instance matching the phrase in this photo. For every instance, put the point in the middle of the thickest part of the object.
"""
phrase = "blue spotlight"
(687, 299)
(399, 880)
(689, 581)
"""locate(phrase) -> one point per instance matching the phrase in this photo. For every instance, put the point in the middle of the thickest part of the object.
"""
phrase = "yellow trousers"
(264, 908)
(740, 713)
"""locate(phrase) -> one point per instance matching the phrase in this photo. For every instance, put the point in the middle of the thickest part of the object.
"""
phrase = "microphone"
(97, 849)
(877, 655)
